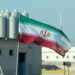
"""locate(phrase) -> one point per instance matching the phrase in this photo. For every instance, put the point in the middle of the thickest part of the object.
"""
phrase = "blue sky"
(47, 11)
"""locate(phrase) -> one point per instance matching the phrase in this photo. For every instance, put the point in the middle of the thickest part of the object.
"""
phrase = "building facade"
(29, 58)
(16, 58)
(51, 55)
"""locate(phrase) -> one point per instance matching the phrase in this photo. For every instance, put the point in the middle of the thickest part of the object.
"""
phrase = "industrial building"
(16, 58)
(51, 55)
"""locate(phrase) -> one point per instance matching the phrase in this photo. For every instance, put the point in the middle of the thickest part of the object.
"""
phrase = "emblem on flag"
(45, 33)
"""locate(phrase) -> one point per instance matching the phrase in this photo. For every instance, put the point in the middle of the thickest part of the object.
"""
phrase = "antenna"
(60, 23)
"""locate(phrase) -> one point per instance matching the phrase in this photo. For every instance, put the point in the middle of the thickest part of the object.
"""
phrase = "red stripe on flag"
(26, 38)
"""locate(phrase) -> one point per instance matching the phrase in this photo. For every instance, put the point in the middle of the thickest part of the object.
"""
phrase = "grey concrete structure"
(29, 62)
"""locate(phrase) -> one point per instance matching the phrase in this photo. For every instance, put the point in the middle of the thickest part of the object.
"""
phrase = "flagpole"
(17, 58)
(18, 44)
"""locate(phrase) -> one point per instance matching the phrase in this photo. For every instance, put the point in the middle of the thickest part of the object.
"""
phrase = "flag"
(32, 31)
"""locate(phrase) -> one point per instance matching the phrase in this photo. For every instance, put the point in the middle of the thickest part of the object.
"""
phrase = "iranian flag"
(32, 31)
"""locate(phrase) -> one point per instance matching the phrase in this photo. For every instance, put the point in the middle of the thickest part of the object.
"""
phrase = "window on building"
(10, 52)
(67, 56)
(0, 52)
(57, 57)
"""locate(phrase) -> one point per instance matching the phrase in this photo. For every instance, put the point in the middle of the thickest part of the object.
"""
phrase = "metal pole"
(17, 58)
(17, 53)
(68, 71)
(60, 21)
(64, 69)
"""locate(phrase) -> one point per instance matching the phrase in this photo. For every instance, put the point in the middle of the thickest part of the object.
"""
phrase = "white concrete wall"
(50, 55)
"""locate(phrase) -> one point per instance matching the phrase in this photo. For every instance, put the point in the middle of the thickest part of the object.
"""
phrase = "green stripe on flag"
(29, 21)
